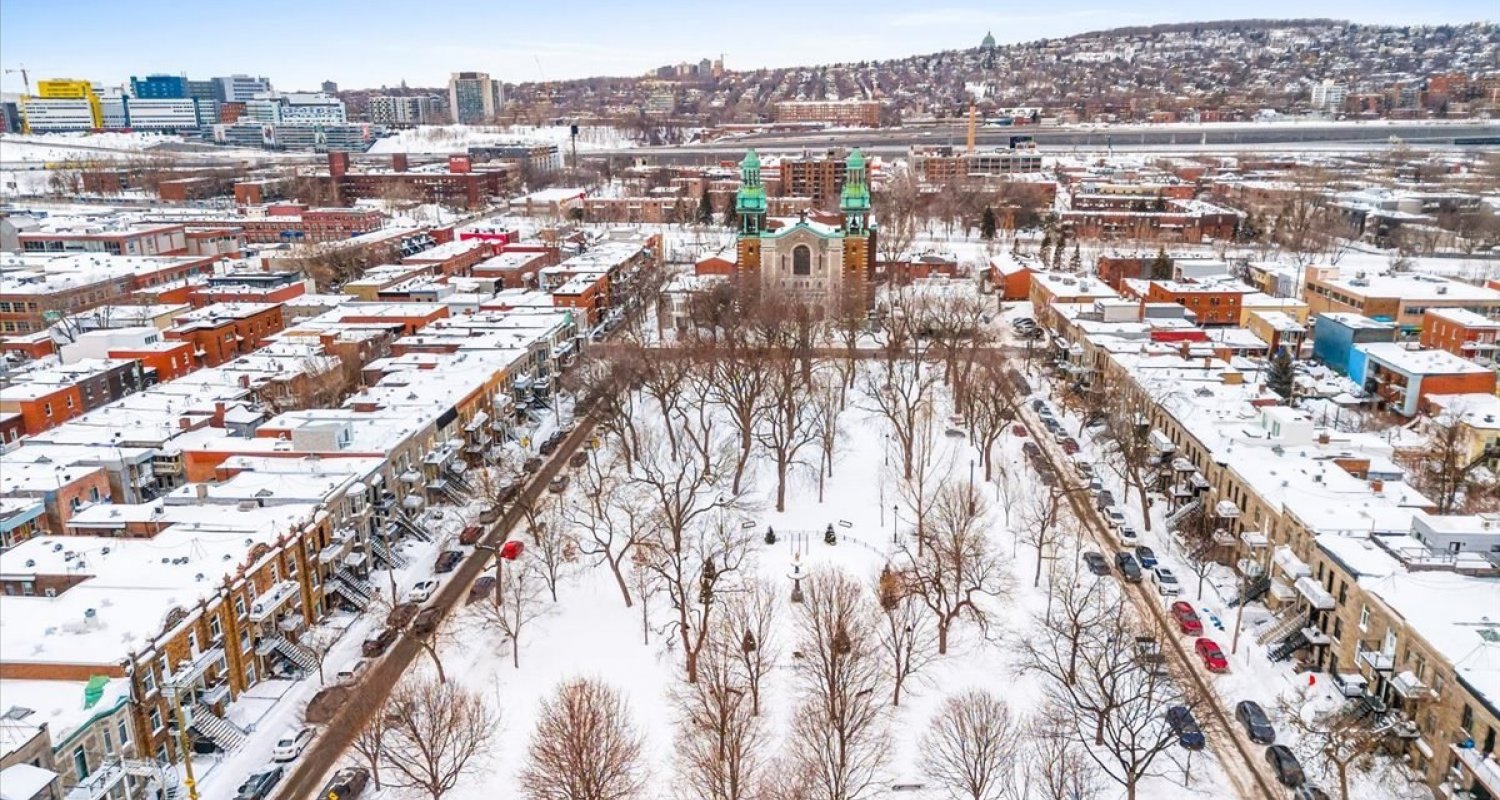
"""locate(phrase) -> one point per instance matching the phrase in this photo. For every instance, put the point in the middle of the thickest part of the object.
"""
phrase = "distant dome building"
(989, 41)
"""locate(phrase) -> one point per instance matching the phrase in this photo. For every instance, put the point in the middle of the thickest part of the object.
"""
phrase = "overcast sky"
(382, 42)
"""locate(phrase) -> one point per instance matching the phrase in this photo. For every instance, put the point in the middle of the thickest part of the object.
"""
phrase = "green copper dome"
(856, 160)
(989, 40)
(751, 160)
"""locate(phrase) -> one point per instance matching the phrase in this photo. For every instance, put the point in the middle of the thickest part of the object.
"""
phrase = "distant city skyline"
(383, 42)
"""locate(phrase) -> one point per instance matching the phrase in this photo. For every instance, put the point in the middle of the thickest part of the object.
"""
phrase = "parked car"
(1212, 655)
(558, 484)
(292, 743)
(346, 784)
(1166, 581)
(1115, 517)
(1189, 735)
(1104, 499)
(423, 591)
(1037, 404)
(1305, 792)
(447, 561)
(1146, 556)
(578, 459)
(259, 785)
(1070, 445)
(401, 614)
(484, 587)
(471, 534)
(353, 674)
(1127, 536)
(1031, 450)
(1019, 431)
(1096, 563)
(1086, 470)
(375, 645)
(532, 464)
(1128, 567)
(1187, 618)
(549, 446)
(1060, 434)
(1095, 486)
(426, 621)
(1257, 724)
(1285, 764)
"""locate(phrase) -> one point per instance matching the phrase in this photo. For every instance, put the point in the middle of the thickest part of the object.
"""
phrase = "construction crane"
(25, 78)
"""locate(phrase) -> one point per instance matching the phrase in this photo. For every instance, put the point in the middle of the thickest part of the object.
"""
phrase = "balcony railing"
(192, 670)
(277, 596)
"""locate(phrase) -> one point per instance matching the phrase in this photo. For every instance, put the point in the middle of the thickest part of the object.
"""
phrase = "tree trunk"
(781, 466)
(1140, 487)
(743, 458)
(942, 631)
(614, 566)
(1036, 579)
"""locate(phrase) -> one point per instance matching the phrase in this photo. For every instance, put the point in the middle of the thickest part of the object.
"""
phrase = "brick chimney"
(338, 164)
(218, 418)
(398, 162)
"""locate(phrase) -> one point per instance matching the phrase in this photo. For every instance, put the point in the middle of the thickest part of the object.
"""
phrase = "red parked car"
(1019, 431)
(1187, 618)
(1213, 657)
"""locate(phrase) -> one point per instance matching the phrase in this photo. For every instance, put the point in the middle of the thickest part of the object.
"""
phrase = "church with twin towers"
(814, 259)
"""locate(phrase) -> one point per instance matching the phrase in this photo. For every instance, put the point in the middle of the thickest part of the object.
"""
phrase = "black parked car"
(447, 561)
(1096, 563)
(550, 445)
(1181, 721)
(1305, 792)
(1030, 449)
(1128, 567)
(259, 785)
(1256, 723)
(347, 784)
(1288, 770)
(1105, 499)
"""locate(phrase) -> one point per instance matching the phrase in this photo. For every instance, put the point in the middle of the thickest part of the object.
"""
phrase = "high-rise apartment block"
(473, 98)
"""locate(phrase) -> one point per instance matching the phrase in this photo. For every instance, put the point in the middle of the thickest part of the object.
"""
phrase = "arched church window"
(801, 260)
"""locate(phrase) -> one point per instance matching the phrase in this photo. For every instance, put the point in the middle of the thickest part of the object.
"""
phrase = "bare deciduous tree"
(901, 394)
(518, 604)
(610, 522)
(720, 737)
(1115, 696)
(787, 424)
(740, 378)
(1338, 739)
(435, 733)
(748, 630)
(584, 747)
(972, 746)
(907, 635)
(1444, 465)
(959, 567)
(839, 734)
(693, 546)
(1055, 767)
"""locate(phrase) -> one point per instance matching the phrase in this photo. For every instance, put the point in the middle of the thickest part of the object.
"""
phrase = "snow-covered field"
(454, 138)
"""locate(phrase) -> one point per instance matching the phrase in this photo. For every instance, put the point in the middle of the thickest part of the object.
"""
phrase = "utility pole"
(188, 780)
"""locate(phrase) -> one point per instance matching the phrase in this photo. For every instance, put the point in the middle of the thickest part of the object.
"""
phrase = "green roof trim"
(94, 690)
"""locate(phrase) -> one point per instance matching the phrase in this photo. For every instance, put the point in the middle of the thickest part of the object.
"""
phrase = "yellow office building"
(68, 89)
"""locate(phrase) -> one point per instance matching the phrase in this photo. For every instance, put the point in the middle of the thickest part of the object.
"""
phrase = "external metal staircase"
(220, 731)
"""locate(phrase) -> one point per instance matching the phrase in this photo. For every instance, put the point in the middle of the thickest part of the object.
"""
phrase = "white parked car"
(1127, 536)
(1115, 516)
(292, 743)
(354, 673)
(423, 591)
(1166, 581)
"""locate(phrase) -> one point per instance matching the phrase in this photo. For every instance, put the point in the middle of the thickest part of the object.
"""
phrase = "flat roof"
(1420, 362)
